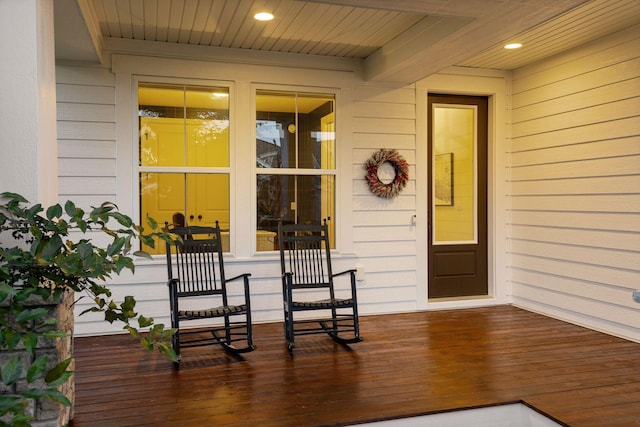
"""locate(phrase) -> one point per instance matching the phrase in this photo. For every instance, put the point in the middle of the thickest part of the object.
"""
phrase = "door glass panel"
(454, 174)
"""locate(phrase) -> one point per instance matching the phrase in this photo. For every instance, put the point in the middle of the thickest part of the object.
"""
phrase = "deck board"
(408, 364)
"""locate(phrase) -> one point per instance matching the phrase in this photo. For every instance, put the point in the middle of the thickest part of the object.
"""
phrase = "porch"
(408, 364)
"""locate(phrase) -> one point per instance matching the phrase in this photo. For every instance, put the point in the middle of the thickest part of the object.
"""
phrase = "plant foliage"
(44, 253)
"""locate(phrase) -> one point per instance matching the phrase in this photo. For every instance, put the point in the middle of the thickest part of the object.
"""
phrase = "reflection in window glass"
(183, 128)
(295, 131)
(294, 199)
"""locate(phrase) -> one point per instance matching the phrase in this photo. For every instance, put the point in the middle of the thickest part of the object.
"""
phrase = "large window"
(184, 164)
(184, 161)
(295, 159)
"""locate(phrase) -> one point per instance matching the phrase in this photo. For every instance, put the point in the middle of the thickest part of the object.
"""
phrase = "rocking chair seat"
(211, 312)
(325, 303)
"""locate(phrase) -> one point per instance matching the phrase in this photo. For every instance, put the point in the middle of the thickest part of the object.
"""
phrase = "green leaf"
(64, 377)
(132, 331)
(10, 338)
(31, 314)
(84, 249)
(142, 254)
(14, 196)
(37, 368)
(30, 342)
(54, 334)
(167, 350)
(34, 210)
(6, 290)
(168, 333)
(63, 227)
(116, 246)
(8, 403)
(11, 371)
(145, 321)
(54, 211)
(51, 247)
(58, 397)
(122, 219)
(110, 316)
(152, 223)
(70, 208)
(129, 303)
(147, 343)
(50, 393)
(57, 371)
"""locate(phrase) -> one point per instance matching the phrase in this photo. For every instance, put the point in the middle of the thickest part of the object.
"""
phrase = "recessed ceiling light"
(263, 16)
(513, 46)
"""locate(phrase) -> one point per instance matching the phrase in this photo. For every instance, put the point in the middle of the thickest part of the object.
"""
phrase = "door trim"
(493, 84)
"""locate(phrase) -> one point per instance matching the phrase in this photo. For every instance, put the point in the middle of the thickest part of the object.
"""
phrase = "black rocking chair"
(305, 260)
(196, 269)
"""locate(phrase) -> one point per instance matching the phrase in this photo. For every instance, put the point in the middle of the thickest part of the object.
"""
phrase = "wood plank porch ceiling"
(400, 40)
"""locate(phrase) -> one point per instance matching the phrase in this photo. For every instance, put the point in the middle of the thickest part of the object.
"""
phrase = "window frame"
(242, 80)
(138, 169)
(255, 170)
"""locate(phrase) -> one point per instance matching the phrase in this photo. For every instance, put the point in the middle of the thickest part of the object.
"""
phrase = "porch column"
(28, 137)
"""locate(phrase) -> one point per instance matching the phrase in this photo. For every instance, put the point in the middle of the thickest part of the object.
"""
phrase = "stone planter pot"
(48, 413)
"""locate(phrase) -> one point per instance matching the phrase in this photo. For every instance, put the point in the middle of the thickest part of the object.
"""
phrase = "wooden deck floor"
(408, 364)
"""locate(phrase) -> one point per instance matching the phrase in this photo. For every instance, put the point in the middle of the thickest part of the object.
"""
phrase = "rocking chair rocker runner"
(196, 270)
(305, 261)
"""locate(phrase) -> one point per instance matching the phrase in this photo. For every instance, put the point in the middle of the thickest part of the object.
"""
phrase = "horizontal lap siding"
(87, 174)
(384, 240)
(575, 184)
(86, 135)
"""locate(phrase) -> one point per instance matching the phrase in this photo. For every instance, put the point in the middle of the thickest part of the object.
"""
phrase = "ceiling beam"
(438, 43)
(468, 8)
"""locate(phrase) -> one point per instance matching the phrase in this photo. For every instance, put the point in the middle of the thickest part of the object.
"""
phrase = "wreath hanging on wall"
(400, 167)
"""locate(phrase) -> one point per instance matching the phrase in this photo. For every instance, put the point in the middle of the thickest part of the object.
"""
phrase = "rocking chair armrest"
(238, 277)
(350, 271)
(245, 277)
(173, 283)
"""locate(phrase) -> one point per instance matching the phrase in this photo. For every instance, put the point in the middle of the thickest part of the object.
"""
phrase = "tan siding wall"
(86, 135)
(575, 172)
(385, 241)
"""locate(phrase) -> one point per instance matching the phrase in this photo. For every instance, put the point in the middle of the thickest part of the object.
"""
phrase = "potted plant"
(45, 256)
